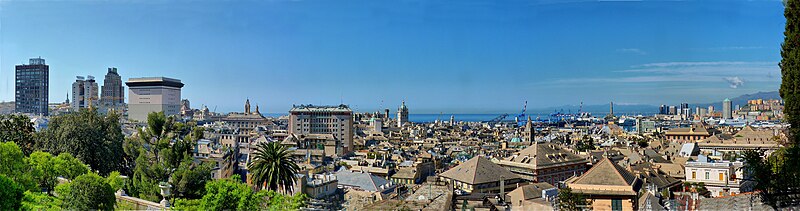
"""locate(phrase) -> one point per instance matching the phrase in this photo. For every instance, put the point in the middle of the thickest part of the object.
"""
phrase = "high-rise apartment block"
(32, 87)
(84, 93)
(727, 112)
(153, 94)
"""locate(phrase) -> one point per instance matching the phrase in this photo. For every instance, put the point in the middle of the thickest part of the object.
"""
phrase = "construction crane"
(521, 116)
(497, 119)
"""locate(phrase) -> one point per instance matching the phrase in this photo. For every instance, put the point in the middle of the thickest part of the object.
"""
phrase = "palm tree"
(273, 167)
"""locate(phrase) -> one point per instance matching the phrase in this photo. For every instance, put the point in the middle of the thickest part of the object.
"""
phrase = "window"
(694, 175)
(721, 176)
(616, 204)
(708, 175)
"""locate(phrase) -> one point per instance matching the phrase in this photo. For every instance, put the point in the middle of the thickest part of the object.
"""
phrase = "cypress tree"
(777, 176)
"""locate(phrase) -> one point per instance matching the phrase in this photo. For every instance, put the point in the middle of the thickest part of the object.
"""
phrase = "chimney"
(503, 188)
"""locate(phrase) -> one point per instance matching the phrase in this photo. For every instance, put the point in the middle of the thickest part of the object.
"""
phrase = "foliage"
(168, 156)
(88, 192)
(91, 137)
(279, 201)
(585, 144)
(43, 170)
(40, 201)
(18, 129)
(273, 166)
(10, 194)
(115, 180)
(777, 176)
(189, 179)
(568, 200)
(187, 204)
(69, 167)
(231, 194)
(14, 165)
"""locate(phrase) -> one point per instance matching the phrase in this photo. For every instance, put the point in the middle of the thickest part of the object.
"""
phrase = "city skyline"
(449, 57)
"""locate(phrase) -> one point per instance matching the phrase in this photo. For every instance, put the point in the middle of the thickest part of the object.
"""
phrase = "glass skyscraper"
(32, 87)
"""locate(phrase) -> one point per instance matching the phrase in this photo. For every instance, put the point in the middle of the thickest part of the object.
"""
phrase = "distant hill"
(742, 100)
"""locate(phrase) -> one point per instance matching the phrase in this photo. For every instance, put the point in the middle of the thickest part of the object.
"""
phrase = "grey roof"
(532, 191)
(478, 170)
(649, 202)
(545, 155)
(747, 201)
(365, 181)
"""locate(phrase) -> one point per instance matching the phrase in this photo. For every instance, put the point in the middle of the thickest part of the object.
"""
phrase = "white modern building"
(334, 120)
(84, 93)
(153, 94)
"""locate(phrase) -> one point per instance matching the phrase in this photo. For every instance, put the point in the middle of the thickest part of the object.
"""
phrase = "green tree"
(19, 129)
(15, 166)
(91, 137)
(40, 201)
(777, 177)
(568, 200)
(585, 144)
(69, 167)
(189, 179)
(231, 194)
(273, 166)
(168, 156)
(10, 194)
(43, 170)
(115, 180)
(88, 192)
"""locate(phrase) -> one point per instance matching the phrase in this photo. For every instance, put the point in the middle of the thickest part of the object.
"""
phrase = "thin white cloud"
(632, 50)
(717, 63)
(730, 48)
(733, 73)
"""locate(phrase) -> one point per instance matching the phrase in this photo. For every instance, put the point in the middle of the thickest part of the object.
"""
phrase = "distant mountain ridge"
(742, 99)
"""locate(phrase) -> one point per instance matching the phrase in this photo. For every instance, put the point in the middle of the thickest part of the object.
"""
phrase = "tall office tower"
(662, 109)
(673, 110)
(402, 114)
(711, 110)
(113, 91)
(153, 94)
(727, 113)
(333, 120)
(84, 93)
(32, 87)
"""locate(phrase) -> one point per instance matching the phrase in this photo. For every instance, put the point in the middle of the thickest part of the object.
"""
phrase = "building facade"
(113, 93)
(721, 179)
(727, 113)
(402, 114)
(334, 120)
(84, 93)
(153, 94)
(32, 87)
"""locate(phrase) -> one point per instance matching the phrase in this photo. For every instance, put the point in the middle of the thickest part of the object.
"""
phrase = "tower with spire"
(402, 114)
(247, 106)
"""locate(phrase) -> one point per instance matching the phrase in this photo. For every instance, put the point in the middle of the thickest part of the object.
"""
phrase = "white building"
(402, 114)
(84, 93)
(334, 120)
(153, 94)
(720, 178)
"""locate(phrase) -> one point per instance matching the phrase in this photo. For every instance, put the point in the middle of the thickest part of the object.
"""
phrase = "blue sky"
(460, 56)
